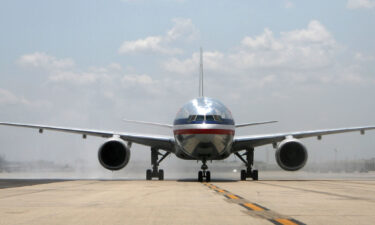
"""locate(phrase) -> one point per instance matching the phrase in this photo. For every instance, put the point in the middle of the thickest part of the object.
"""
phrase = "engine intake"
(291, 154)
(114, 154)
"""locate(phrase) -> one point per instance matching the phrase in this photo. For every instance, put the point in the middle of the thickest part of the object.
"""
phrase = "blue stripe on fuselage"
(187, 121)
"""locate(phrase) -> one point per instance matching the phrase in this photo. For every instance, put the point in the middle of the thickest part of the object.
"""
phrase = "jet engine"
(114, 154)
(291, 154)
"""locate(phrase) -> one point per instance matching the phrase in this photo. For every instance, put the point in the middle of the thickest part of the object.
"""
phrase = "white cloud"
(7, 97)
(79, 78)
(304, 49)
(360, 4)
(288, 4)
(149, 44)
(213, 60)
(147, 1)
(42, 60)
(131, 79)
(363, 58)
(64, 70)
(183, 29)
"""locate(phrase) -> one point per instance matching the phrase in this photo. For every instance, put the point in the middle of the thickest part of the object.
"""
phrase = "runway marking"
(285, 222)
(255, 209)
(253, 206)
(231, 196)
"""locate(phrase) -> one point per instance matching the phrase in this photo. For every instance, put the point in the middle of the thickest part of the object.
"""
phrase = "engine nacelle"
(291, 154)
(114, 154)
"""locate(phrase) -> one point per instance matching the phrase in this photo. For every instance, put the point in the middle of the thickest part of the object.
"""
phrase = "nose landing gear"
(204, 173)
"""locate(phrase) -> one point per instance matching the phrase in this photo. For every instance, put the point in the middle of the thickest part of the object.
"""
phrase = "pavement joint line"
(255, 209)
(319, 192)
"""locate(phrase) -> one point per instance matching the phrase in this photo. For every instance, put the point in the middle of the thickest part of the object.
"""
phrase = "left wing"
(244, 142)
(160, 142)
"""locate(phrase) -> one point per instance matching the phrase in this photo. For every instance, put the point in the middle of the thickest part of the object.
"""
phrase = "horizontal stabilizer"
(254, 124)
(148, 123)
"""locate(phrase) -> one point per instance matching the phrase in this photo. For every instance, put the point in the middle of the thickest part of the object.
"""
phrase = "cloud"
(149, 44)
(42, 60)
(213, 60)
(183, 29)
(363, 58)
(360, 4)
(309, 48)
(64, 70)
(147, 1)
(312, 47)
(78, 78)
(288, 4)
(8, 98)
(135, 79)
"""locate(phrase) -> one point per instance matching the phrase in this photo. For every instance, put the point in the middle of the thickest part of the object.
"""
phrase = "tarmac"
(267, 201)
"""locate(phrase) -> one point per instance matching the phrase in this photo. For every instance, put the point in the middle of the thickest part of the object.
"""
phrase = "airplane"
(203, 130)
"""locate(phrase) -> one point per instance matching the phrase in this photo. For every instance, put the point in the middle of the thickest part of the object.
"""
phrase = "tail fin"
(201, 75)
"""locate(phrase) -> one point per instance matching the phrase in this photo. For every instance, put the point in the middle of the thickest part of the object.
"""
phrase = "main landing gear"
(204, 173)
(249, 172)
(155, 172)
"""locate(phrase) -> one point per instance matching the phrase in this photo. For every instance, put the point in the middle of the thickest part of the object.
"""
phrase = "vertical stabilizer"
(201, 74)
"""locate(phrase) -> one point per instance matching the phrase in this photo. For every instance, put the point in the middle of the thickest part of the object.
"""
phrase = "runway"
(187, 202)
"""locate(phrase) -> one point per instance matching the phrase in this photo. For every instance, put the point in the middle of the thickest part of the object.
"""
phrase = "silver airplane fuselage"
(203, 129)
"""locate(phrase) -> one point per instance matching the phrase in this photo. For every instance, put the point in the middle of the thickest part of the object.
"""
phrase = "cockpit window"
(192, 118)
(210, 118)
(199, 118)
(205, 118)
(217, 118)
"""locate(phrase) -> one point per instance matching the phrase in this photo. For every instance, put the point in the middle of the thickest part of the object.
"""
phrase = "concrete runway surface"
(187, 202)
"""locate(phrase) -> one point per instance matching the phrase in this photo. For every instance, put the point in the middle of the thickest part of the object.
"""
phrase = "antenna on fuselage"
(201, 74)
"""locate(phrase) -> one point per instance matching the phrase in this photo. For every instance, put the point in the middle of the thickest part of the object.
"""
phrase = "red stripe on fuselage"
(204, 131)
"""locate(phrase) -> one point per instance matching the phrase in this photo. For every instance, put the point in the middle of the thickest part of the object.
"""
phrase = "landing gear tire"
(148, 174)
(243, 174)
(161, 174)
(249, 162)
(200, 176)
(255, 175)
(208, 176)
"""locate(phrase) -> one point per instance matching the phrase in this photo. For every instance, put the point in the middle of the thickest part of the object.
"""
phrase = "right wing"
(254, 124)
(244, 142)
(161, 142)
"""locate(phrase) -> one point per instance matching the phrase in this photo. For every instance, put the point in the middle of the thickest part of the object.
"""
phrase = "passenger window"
(200, 118)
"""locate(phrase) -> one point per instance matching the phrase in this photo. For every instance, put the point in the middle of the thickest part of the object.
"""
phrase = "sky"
(89, 64)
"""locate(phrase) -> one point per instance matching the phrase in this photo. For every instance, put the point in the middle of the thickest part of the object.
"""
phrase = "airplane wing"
(244, 142)
(160, 142)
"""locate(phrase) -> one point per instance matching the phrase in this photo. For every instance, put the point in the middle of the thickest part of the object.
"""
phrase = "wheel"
(161, 174)
(243, 174)
(200, 176)
(255, 174)
(148, 174)
(208, 176)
